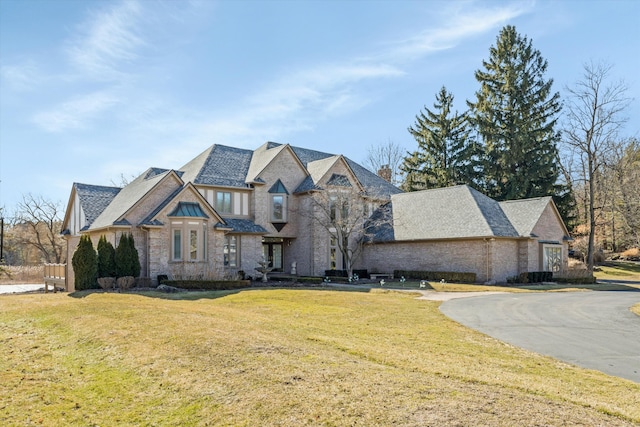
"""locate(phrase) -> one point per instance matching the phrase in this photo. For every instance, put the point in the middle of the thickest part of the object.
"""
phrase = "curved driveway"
(595, 330)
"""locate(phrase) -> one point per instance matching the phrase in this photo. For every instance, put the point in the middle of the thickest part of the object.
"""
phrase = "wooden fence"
(54, 274)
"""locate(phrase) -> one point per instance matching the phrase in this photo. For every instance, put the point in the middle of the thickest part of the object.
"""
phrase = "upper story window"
(224, 202)
(278, 202)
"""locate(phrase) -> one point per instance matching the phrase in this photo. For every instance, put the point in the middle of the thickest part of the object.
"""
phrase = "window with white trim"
(551, 258)
(189, 241)
(231, 252)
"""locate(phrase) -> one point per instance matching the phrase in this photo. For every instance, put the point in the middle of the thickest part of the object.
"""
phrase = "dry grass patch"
(12, 274)
(281, 357)
(636, 309)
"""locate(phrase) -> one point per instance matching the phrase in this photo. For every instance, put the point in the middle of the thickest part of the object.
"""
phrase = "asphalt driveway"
(594, 330)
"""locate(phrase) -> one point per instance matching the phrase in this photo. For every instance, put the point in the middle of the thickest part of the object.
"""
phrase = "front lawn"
(280, 357)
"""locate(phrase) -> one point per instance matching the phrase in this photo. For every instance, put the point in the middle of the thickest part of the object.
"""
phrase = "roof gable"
(93, 200)
(525, 214)
(130, 195)
(179, 204)
(445, 213)
(265, 156)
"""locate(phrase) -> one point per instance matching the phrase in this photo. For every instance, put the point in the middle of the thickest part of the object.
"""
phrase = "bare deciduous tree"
(40, 221)
(389, 155)
(594, 112)
(343, 212)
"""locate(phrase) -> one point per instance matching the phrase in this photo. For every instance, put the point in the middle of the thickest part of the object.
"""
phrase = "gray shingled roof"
(127, 198)
(373, 185)
(219, 165)
(524, 214)
(445, 213)
(94, 199)
(242, 226)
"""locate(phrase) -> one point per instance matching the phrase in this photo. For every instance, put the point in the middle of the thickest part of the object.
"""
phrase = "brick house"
(229, 208)
(459, 229)
(223, 212)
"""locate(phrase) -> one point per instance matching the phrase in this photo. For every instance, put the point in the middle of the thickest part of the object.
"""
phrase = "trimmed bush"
(310, 280)
(107, 283)
(539, 276)
(85, 264)
(106, 258)
(209, 285)
(125, 283)
(449, 276)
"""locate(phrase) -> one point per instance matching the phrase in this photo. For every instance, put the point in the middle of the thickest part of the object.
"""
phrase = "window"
(223, 202)
(332, 208)
(279, 195)
(188, 241)
(552, 258)
(278, 212)
(231, 250)
(177, 245)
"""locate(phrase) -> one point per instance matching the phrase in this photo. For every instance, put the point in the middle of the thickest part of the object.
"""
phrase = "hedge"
(209, 285)
(449, 276)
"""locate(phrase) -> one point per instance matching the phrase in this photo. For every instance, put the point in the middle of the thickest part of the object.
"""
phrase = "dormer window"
(278, 196)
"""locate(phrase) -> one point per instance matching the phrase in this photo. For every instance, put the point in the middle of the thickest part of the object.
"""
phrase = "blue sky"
(92, 90)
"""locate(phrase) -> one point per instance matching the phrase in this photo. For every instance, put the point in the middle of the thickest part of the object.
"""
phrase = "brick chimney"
(385, 173)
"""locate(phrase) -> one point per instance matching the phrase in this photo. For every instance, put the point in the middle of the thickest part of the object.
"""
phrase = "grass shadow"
(194, 295)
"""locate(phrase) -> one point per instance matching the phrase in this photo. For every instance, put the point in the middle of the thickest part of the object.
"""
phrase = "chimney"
(385, 173)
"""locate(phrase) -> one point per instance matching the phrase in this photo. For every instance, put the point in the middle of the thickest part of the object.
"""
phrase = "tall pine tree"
(446, 153)
(516, 113)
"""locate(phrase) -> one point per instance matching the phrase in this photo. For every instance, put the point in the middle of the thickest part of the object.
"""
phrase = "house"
(458, 229)
(228, 209)
(224, 212)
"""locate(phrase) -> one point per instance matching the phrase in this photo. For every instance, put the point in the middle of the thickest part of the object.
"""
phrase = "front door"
(272, 252)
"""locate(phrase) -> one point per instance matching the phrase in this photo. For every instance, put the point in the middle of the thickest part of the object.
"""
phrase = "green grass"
(280, 357)
(619, 270)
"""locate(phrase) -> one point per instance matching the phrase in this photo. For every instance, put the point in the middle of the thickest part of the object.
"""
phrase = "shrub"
(576, 276)
(632, 254)
(125, 282)
(106, 258)
(449, 276)
(85, 264)
(107, 283)
(539, 276)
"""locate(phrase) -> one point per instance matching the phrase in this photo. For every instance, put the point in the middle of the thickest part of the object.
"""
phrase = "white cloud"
(108, 40)
(22, 77)
(462, 21)
(75, 114)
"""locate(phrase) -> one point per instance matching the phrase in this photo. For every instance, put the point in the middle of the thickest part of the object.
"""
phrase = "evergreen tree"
(516, 114)
(123, 259)
(85, 264)
(446, 153)
(106, 258)
(135, 258)
(127, 258)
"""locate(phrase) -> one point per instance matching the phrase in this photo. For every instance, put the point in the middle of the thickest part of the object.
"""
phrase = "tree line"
(517, 140)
